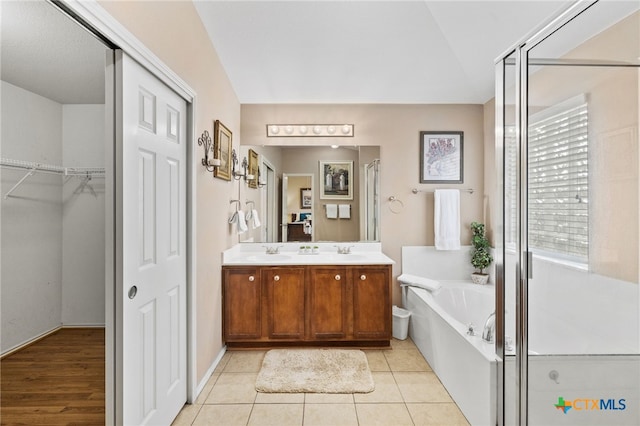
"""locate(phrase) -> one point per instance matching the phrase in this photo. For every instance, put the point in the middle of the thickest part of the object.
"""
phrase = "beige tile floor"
(407, 393)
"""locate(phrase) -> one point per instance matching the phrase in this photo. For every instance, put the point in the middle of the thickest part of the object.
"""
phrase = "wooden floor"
(57, 380)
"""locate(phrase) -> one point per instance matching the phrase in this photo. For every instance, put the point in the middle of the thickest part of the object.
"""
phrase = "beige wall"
(173, 31)
(395, 128)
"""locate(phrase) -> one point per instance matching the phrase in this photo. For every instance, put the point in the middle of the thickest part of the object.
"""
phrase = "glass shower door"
(582, 220)
(571, 222)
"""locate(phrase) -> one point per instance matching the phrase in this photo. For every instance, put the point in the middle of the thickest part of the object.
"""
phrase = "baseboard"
(209, 373)
(31, 341)
(83, 326)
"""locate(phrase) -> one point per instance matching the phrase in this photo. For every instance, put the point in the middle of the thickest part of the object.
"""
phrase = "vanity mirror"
(291, 204)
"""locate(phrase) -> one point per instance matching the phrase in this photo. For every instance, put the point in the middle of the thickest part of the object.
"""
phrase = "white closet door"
(154, 381)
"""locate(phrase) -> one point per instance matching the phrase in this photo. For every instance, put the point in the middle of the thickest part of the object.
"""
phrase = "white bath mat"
(315, 371)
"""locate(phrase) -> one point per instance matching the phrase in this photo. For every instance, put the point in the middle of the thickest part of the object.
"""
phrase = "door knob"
(337, 277)
(363, 277)
(276, 278)
(251, 278)
(133, 290)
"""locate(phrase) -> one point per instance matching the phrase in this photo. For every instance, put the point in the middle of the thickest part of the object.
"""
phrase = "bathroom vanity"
(291, 299)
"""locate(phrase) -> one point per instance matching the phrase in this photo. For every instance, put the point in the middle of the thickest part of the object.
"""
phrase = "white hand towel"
(447, 219)
(242, 223)
(332, 211)
(416, 281)
(255, 220)
(344, 211)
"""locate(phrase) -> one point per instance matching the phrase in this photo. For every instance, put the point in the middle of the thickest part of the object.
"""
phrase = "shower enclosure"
(567, 237)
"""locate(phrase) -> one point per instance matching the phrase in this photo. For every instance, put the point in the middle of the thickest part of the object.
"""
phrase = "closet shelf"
(32, 167)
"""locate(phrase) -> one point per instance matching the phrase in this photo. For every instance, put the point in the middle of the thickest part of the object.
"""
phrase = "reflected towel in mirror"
(252, 217)
(332, 211)
(344, 211)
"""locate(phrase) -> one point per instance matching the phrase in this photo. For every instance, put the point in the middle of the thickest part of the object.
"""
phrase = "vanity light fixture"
(208, 161)
(310, 130)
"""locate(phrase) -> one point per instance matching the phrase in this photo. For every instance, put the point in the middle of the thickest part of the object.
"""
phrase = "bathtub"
(465, 364)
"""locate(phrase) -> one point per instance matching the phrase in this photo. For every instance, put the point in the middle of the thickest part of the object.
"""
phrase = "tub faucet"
(489, 328)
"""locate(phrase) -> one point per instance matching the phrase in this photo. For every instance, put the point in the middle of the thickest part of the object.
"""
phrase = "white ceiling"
(309, 51)
(367, 51)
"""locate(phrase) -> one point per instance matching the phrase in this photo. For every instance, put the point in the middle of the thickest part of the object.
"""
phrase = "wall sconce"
(259, 182)
(208, 161)
(310, 130)
(240, 174)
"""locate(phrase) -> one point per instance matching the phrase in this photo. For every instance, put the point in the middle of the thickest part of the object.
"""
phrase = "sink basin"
(268, 258)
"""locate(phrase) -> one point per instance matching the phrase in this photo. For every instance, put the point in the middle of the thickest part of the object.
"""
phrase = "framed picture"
(441, 157)
(222, 150)
(253, 169)
(336, 180)
(305, 198)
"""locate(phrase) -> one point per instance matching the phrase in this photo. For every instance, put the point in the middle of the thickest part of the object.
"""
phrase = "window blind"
(558, 182)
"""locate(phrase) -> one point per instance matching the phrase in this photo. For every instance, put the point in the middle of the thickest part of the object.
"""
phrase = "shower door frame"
(524, 257)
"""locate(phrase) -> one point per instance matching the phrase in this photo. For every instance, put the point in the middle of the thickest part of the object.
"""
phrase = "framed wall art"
(336, 180)
(305, 198)
(222, 150)
(441, 157)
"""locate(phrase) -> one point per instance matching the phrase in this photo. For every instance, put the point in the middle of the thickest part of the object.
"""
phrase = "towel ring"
(392, 200)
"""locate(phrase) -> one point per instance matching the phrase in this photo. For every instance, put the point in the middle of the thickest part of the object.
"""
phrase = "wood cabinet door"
(371, 302)
(242, 303)
(328, 303)
(284, 288)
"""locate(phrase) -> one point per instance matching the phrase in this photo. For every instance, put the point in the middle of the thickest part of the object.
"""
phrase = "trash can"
(400, 322)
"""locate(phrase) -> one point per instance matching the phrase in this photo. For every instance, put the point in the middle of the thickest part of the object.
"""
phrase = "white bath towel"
(344, 211)
(416, 281)
(447, 219)
(332, 211)
(241, 222)
(255, 220)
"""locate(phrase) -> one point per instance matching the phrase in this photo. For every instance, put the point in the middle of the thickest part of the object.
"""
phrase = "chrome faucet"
(272, 249)
(344, 250)
(489, 328)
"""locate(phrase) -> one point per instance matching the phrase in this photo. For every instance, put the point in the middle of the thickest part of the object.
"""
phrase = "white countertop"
(290, 254)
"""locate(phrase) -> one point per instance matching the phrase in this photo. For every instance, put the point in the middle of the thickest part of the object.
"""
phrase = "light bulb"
(303, 130)
(317, 130)
(275, 130)
(331, 129)
(288, 129)
(346, 129)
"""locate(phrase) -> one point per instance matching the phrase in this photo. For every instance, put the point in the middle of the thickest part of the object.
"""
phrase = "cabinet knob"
(276, 278)
(363, 277)
(252, 278)
(337, 277)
